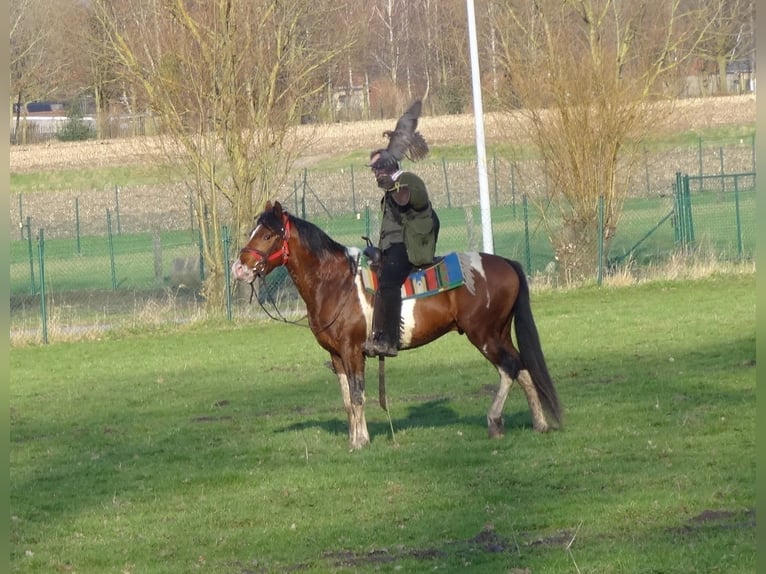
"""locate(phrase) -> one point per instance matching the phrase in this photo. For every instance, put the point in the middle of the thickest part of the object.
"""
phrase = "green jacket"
(412, 222)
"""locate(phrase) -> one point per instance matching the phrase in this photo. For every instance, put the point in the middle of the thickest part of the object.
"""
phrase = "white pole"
(481, 151)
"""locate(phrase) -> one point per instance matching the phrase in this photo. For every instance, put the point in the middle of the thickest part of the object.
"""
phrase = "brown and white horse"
(327, 277)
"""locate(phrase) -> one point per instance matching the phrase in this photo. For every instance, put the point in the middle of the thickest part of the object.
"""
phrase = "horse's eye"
(267, 236)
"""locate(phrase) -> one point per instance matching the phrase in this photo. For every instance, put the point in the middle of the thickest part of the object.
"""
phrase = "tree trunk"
(576, 250)
(723, 84)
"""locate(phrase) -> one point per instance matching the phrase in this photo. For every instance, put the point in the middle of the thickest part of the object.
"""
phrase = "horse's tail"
(530, 349)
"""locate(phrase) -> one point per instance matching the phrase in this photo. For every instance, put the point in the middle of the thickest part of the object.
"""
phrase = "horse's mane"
(315, 240)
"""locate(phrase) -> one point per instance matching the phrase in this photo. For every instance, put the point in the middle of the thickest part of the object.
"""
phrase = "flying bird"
(405, 140)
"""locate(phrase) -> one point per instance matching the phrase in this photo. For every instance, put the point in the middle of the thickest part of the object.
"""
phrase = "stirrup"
(378, 348)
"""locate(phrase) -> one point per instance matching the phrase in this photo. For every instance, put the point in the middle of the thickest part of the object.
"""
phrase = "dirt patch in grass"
(488, 541)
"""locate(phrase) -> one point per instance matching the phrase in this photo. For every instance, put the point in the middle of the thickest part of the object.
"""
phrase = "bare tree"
(31, 68)
(228, 82)
(584, 81)
(730, 36)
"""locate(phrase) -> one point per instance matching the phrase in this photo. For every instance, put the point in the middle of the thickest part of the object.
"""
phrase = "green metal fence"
(66, 283)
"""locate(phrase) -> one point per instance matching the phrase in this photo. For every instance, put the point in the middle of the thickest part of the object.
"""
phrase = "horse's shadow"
(430, 414)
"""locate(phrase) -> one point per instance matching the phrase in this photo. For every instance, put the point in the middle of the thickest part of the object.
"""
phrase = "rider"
(408, 232)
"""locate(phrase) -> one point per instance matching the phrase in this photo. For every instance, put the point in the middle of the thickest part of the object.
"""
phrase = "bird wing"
(405, 140)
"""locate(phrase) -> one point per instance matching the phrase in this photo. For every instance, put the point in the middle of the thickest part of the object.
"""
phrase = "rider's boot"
(384, 336)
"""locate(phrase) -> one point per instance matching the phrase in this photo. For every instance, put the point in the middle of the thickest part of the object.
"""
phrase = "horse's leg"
(495, 425)
(538, 415)
(508, 363)
(352, 390)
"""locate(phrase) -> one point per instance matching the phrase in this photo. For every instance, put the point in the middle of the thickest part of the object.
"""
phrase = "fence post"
(111, 248)
(21, 217)
(43, 309)
(446, 181)
(678, 208)
(688, 209)
(157, 254)
(32, 286)
(513, 189)
(494, 175)
(740, 249)
(723, 179)
(752, 152)
(527, 248)
(77, 224)
(353, 190)
(117, 208)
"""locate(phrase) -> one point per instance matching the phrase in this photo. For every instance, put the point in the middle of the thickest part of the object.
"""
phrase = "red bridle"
(274, 255)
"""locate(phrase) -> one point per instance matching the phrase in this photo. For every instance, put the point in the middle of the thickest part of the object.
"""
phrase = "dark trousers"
(394, 268)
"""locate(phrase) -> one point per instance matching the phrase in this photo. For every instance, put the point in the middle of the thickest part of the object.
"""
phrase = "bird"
(404, 140)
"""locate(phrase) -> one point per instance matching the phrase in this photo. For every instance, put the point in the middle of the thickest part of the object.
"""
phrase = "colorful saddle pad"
(443, 275)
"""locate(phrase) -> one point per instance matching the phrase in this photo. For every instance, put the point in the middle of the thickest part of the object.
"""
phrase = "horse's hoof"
(496, 429)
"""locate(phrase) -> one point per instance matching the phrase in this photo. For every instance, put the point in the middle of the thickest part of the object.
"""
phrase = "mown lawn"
(223, 448)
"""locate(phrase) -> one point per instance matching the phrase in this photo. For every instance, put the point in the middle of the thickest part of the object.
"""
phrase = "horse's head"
(266, 247)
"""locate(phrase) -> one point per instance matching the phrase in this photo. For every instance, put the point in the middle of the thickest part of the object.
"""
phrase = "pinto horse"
(327, 277)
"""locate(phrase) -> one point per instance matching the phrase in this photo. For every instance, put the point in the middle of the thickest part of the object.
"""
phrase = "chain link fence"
(83, 263)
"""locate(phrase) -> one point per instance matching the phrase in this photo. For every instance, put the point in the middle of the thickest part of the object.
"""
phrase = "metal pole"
(740, 250)
(77, 223)
(111, 248)
(353, 190)
(32, 286)
(117, 208)
(21, 217)
(43, 309)
(478, 113)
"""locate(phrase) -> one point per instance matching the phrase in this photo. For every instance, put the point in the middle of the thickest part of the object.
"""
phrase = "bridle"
(277, 253)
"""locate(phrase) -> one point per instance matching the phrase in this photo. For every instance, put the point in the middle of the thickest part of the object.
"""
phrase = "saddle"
(444, 273)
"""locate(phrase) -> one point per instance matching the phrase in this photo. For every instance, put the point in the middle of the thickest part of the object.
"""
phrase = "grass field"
(222, 448)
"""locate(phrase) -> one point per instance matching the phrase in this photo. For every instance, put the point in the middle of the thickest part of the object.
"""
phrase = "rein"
(279, 316)
(284, 255)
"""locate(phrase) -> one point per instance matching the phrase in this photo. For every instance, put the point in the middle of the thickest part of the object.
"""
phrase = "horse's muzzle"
(242, 272)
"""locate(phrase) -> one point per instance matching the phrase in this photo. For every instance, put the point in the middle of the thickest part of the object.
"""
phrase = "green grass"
(223, 448)
(70, 267)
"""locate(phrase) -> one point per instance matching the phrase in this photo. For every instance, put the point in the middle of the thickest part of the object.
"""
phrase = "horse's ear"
(267, 207)
(277, 209)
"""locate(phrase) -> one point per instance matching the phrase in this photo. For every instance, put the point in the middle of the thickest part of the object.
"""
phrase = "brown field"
(340, 139)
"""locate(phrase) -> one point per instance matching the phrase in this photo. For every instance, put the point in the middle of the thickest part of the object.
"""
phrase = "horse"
(327, 276)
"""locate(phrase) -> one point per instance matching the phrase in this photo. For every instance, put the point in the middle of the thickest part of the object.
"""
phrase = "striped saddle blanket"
(444, 274)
